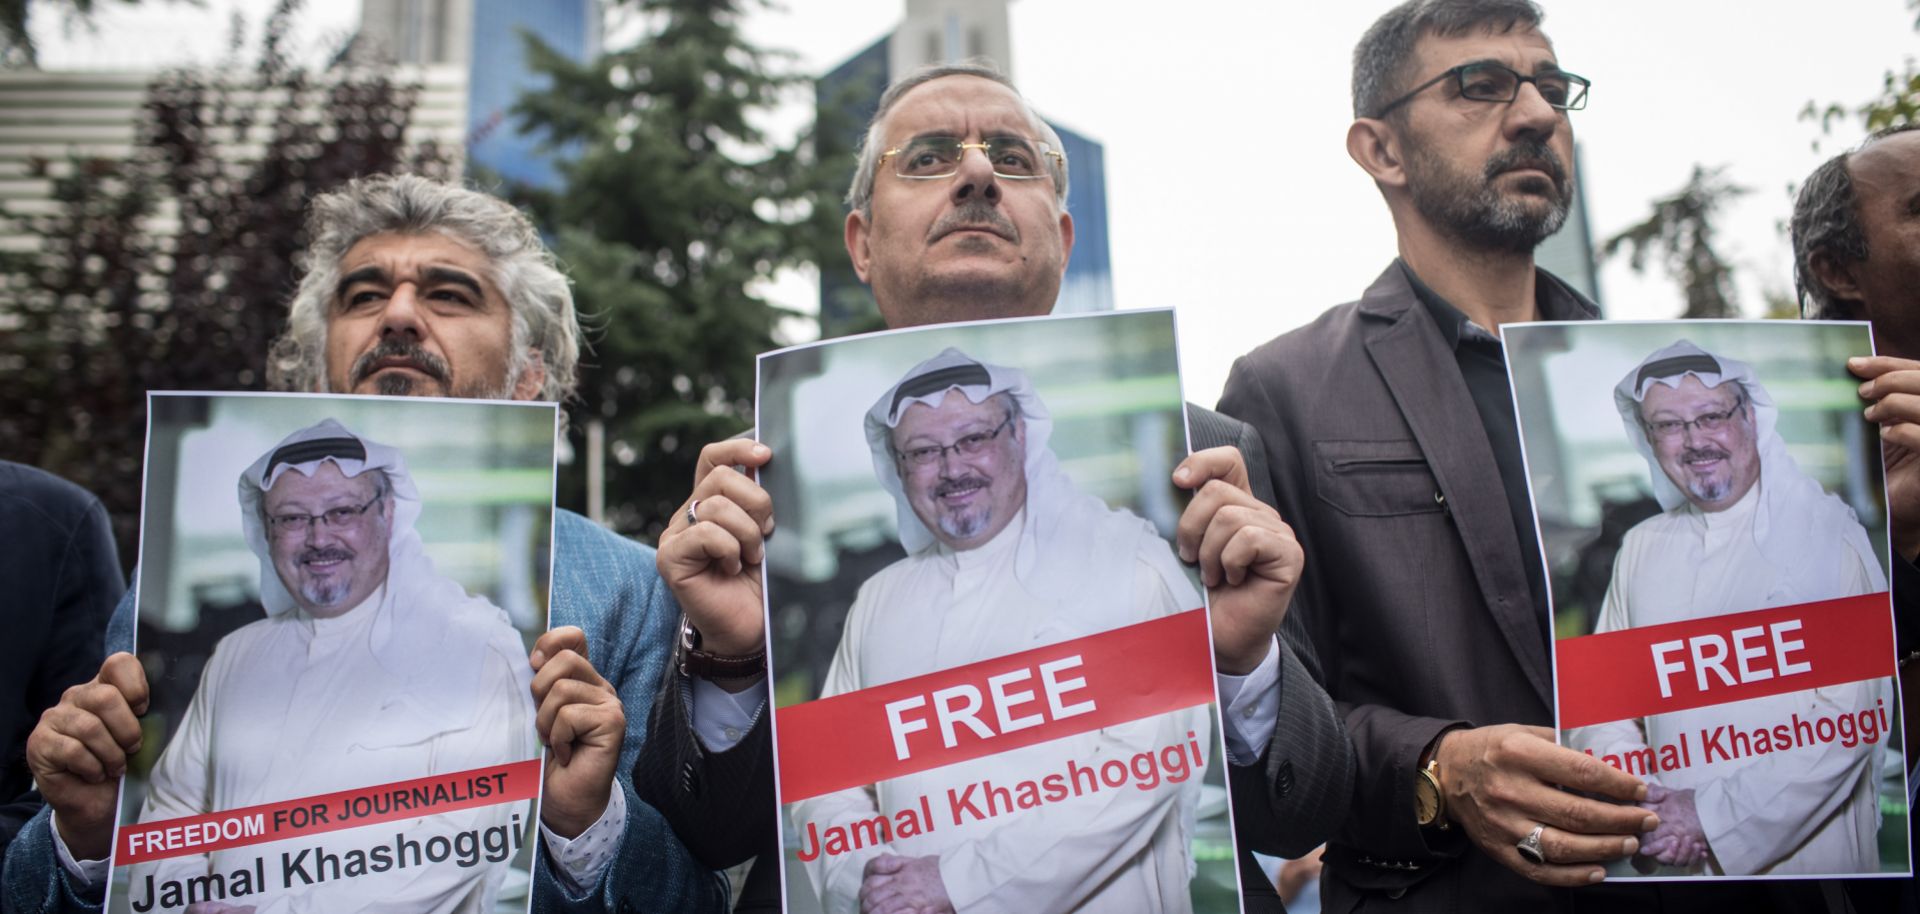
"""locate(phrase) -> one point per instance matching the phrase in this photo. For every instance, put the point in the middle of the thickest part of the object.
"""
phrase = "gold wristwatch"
(1429, 803)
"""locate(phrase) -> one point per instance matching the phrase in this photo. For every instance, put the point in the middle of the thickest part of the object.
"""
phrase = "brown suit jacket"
(1414, 597)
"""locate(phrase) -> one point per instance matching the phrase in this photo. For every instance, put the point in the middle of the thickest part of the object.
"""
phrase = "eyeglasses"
(939, 157)
(967, 446)
(1491, 82)
(288, 526)
(1672, 429)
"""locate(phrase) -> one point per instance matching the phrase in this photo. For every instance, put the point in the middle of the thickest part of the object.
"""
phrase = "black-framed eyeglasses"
(967, 446)
(292, 525)
(1487, 81)
(1707, 423)
(1015, 157)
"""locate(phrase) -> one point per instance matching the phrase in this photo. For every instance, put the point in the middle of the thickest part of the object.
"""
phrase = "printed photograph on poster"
(992, 675)
(1713, 526)
(336, 599)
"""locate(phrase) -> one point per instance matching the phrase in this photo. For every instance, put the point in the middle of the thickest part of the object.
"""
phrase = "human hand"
(1248, 556)
(713, 567)
(582, 722)
(1680, 840)
(1296, 874)
(1500, 782)
(79, 750)
(892, 884)
(1894, 387)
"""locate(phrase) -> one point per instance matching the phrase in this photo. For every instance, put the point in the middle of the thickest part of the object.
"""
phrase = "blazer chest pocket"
(1375, 478)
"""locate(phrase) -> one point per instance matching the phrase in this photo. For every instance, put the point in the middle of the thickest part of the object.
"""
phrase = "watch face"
(1426, 799)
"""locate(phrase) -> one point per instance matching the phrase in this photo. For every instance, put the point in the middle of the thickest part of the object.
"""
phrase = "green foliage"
(675, 205)
(1897, 104)
(1680, 233)
(171, 269)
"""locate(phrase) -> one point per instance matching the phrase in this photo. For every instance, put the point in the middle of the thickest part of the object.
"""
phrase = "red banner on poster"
(995, 705)
(1718, 659)
(327, 812)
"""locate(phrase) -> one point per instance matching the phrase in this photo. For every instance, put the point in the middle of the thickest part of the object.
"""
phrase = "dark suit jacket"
(1287, 803)
(61, 577)
(1414, 597)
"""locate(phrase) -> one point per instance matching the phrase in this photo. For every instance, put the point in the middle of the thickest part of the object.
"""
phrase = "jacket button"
(1283, 779)
(1397, 893)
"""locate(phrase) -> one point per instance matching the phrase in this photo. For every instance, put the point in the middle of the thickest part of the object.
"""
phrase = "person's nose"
(974, 178)
(1529, 115)
(403, 314)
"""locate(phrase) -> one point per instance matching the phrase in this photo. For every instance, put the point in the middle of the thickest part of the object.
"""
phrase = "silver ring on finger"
(1531, 848)
(693, 518)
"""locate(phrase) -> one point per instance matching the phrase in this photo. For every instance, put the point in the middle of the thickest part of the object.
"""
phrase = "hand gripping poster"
(1713, 521)
(993, 678)
(336, 600)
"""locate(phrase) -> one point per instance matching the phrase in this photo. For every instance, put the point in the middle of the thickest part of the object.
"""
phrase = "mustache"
(1703, 453)
(976, 213)
(1529, 153)
(324, 554)
(395, 348)
(950, 486)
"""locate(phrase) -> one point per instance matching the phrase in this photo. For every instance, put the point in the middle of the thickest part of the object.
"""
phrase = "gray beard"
(322, 594)
(964, 526)
(1477, 213)
(402, 385)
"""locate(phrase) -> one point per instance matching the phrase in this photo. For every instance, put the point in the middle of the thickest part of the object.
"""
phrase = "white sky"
(1230, 195)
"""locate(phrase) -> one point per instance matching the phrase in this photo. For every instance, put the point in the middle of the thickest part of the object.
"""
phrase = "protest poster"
(991, 672)
(1711, 511)
(336, 597)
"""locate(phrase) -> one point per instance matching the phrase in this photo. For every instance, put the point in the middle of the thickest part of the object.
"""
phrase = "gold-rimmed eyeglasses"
(1012, 157)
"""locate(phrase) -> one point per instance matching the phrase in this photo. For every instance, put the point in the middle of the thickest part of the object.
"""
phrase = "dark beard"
(1471, 210)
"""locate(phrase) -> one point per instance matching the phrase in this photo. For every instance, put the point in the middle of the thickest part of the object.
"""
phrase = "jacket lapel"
(1425, 381)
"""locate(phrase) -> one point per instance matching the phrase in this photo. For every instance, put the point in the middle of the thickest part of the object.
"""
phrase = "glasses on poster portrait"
(1486, 81)
(1015, 157)
(1671, 429)
(969, 445)
(290, 526)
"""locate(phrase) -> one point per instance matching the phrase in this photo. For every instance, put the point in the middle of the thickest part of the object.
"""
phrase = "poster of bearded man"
(336, 599)
(1712, 515)
(992, 675)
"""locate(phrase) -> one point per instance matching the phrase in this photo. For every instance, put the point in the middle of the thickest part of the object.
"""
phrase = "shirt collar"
(1554, 301)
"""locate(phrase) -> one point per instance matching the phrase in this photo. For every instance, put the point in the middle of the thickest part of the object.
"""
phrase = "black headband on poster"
(938, 380)
(301, 452)
(1679, 364)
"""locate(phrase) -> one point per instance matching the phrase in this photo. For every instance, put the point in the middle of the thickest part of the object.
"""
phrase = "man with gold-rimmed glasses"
(957, 211)
(1743, 529)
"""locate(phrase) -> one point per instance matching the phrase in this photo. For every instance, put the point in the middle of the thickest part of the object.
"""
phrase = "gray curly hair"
(538, 294)
(1826, 223)
(860, 194)
(1385, 52)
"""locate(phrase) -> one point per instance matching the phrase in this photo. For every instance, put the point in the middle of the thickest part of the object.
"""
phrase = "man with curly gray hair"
(414, 287)
(407, 284)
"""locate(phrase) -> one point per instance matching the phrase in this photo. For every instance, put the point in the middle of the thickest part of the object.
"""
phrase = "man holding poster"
(330, 693)
(999, 541)
(1742, 529)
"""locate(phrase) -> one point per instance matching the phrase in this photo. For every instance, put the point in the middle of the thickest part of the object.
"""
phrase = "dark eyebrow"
(373, 274)
(439, 275)
(431, 276)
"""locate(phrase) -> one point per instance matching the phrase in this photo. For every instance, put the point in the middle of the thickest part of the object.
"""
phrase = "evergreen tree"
(171, 269)
(1680, 232)
(674, 206)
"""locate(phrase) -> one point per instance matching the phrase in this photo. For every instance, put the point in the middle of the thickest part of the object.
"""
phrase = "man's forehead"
(1523, 48)
(958, 105)
(408, 253)
(1891, 165)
